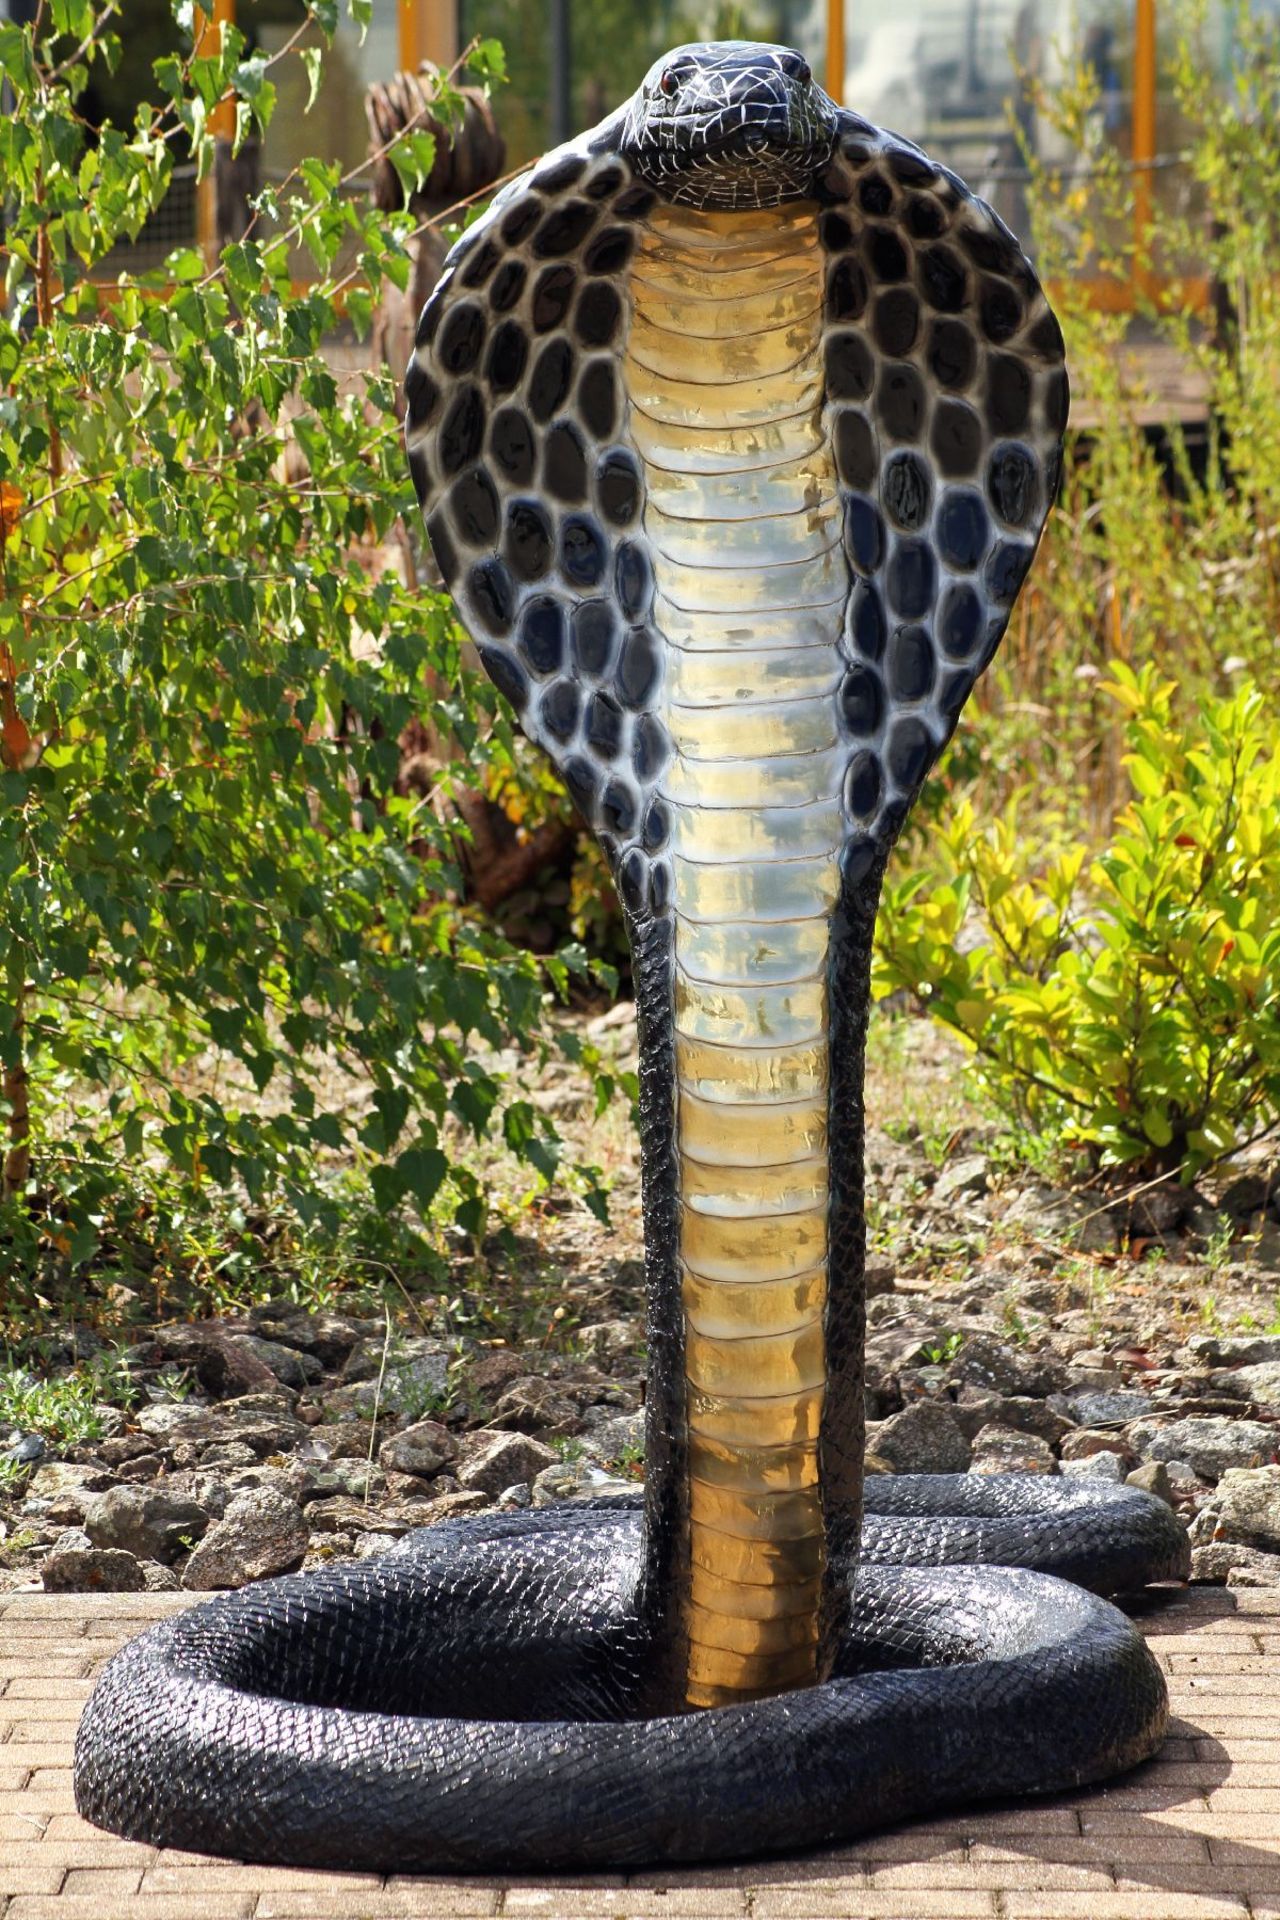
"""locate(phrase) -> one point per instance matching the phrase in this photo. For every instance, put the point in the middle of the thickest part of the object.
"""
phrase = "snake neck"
(724, 375)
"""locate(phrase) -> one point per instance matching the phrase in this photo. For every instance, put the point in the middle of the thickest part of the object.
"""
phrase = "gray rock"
(968, 1176)
(1235, 1349)
(1096, 1466)
(612, 1339)
(263, 1422)
(621, 1436)
(516, 1499)
(1065, 1219)
(1082, 1442)
(1245, 1508)
(74, 1565)
(1005, 1450)
(1210, 1444)
(289, 1367)
(1153, 1478)
(1260, 1383)
(975, 1410)
(422, 1449)
(228, 1453)
(222, 1368)
(1107, 1409)
(994, 1367)
(925, 1437)
(1223, 1562)
(491, 1461)
(149, 1521)
(329, 1336)
(261, 1533)
(415, 1381)
(531, 1404)
(22, 1449)
(58, 1479)
(158, 1579)
(570, 1481)
(1249, 1193)
(354, 1478)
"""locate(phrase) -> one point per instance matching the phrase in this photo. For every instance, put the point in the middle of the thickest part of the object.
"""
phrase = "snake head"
(729, 123)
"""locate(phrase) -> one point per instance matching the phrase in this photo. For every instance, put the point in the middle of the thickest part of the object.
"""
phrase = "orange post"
(1143, 146)
(835, 50)
(209, 23)
(428, 31)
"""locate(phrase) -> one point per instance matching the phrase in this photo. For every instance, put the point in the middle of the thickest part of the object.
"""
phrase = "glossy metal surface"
(724, 378)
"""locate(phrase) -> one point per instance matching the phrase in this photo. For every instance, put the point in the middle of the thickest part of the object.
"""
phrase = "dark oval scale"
(910, 664)
(541, 637)
(604, 726)
(429, 320)
(549, 381)
(583, 550)
(660, 886)
(649, 748)
(634, 204)
(481, 264)
(835, 232)
(954, 690)
(594, 628)
(552, 297)
(875, 195)
(911, 168)
(1008, 393)
(560, 708)
(639, 668)
(1000, 310)
(493, 595)
(863, 785)
(505, 675)
(1011, 484)
(900, 401)
(609, 251)
(421, 395)
(943, 279)
(618, 488)
(420, 474)
(908, 753)
(863, 534)
(1007, 569)
(633, 580)
(925, 217)
(564, 229)
(846, 290)
(461, 338)
(446, 554)
(952, 353)
(598, 314)
(618, 807)
(994, 249)
(473, 501)
(866, 620)
(657, 826)
(602, 184)
(886, 254)
(564, 464)
(850, 367)
(505, 362)
(558, 175)
(862, 701)
(911, 579)
(508, 285)
(906, 491)
(832, 184)
(527, 546)
(581, 779)
(598, 398)
(857, 451)
(633, 880)
(511, 445)
(963, 531)
(956, 438)
(896, 321)
(1045, 337)
(961, 621)
(857, 859)
(1057, 399)
(462, 434)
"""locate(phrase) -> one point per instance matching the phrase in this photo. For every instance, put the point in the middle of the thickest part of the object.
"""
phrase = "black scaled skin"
(508, 1692)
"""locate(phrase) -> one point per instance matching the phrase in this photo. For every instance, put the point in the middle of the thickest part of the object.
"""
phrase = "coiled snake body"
(735, 423)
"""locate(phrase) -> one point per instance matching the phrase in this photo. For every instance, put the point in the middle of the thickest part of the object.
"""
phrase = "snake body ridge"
(735, 424)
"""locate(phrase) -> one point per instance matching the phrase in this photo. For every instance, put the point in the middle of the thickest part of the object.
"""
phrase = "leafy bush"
(230, 951)
(1126, 1006)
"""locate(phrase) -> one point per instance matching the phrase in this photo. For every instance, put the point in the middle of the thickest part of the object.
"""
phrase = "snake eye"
(668, 83)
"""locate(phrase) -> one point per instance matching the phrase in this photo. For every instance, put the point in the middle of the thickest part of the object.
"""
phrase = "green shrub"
(1125, 1006)
(230, 952)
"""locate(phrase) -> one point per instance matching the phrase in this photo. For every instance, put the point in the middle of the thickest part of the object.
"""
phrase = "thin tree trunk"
(17, 1159)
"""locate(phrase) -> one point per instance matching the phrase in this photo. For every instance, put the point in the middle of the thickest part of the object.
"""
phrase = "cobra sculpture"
(735, 422)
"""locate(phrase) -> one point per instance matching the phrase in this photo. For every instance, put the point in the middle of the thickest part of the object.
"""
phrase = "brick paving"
(1193, 1836)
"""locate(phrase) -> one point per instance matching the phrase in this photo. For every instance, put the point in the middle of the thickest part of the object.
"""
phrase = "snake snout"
(730, 124)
